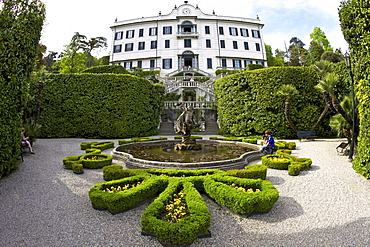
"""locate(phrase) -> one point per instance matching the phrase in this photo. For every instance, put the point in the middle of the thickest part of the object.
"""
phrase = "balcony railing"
(187, 34)
(194, 104)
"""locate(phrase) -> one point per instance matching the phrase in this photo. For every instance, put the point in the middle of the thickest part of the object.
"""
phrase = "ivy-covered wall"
(100, 106)
(248, 102)
(20, 29)
(354, 18)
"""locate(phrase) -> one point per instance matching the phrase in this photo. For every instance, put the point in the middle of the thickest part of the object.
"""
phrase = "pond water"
(167, 153)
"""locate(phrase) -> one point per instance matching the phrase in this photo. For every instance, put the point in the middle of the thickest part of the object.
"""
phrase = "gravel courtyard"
(43, 204)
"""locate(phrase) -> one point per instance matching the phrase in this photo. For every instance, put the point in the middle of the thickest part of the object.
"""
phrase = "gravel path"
(43, 204)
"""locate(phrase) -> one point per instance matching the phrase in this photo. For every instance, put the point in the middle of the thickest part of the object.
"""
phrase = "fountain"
(189, 153)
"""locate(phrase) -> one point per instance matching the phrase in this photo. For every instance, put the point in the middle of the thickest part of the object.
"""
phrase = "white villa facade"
(188, 40)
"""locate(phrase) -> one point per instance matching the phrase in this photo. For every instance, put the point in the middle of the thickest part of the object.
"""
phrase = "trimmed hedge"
(297, 163)
(100, 106)
(105, 69)
(219, 188)
(252, 171)
(243, 109)
(92, 159)
(356, 30)
(20, 30)
(167, 182)
(189, 227)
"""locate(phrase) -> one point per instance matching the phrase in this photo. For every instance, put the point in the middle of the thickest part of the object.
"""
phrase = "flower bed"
(285, 161)
(92, 159)
(141, 184)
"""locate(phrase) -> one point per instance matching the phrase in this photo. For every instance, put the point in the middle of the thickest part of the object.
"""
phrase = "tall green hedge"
(248, 102)
(100, 106)
(20, 29)
(354, 18)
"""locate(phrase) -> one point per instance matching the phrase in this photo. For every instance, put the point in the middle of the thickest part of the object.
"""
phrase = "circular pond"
(161, 154)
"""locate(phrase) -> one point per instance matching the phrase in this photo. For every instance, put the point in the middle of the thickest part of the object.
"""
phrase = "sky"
(283, 19)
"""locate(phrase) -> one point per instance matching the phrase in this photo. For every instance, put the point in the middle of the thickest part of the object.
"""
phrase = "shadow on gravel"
(285, 208)
(275, 180)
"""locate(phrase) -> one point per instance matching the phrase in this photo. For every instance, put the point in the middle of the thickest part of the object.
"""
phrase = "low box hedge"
(97, 145)
(167, 182)
(276, 161)
(219, 188)
(272, 161)
(251, 171)
(189, 227)
(93, 159)
(124, 200)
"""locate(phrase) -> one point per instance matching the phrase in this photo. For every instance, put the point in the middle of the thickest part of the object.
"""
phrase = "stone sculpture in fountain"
(184, 124)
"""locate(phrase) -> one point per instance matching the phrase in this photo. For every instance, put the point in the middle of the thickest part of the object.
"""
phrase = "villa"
(188, 42)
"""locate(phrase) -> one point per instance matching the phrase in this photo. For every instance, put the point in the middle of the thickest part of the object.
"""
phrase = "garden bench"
(24, 148)
(306, 134)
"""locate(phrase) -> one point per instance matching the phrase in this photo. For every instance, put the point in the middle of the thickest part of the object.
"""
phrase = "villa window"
(167, 30)
(130, 34)
(153, 44)
(221, 30)
(207, 30)
(118, 35)
(235, 44)
(141, 32)
(209, 63)
(167, 43)
(152, 31)
(256, 34)
(141, 45)
(152, 63)
(117, 48)
(246, 46)
(140, 64)
(128, 65)
(258, 47)
(237, 63)
(187, 42)
(244, 32)
(222, 43)
(233, 31)
(208, 43)
(129, 47)
(167, 63)
(223, 63)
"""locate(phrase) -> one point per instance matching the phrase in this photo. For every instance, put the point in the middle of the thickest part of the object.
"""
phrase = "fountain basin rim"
(141, 163)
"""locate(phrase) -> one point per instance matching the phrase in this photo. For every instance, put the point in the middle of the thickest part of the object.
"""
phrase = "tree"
(315, 52)
(40, 60)
(297, 52)
(319, 37)
(279, 57)
(269, 56)
(89, 46)
(288, 91)
(71, 64)
(332, 57)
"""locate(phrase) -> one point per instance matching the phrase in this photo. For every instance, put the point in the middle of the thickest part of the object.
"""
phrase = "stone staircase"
(166, 128)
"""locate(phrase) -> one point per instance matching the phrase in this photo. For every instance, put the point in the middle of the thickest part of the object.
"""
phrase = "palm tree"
(288, 91)
(90, 45)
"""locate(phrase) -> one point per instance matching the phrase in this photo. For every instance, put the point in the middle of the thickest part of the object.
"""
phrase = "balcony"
(187, 34)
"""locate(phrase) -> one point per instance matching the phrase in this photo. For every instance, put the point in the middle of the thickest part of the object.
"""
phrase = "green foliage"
(93, 159)
(284, 161)
(100, 106)
(319, 37)
(257, 171)
(248, 102)
(168, 182)
(69, 64)
(106, 69)
(356, 30)
(332, 57)
(227, 72)
(253, 66)
(20, 29)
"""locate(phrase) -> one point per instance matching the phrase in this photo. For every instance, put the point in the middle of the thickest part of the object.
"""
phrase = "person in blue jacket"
(270, 143)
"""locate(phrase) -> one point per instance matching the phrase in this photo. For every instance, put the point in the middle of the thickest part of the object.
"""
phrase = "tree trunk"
(287, 114)
(321, 116)
(339, 109)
